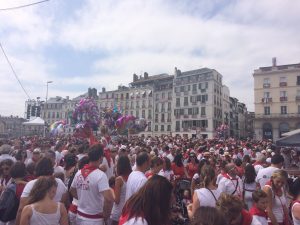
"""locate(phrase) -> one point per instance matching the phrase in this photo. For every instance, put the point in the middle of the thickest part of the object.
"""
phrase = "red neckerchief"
(226, 175)
(269, 183)
(254, 211)
(87, 169)
(247, 217)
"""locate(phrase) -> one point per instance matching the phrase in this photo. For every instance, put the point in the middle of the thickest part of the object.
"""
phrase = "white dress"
(45, 219)
(117, 208)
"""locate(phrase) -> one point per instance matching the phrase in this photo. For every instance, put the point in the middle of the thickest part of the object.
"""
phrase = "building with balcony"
(197, 102)
(11, 126)
(277, 100)
(133, 101)
(161, 87)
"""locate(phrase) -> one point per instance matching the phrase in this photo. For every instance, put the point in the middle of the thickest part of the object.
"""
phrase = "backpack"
(9, 203)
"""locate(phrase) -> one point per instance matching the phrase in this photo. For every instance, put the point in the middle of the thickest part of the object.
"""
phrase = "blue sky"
(90, 43)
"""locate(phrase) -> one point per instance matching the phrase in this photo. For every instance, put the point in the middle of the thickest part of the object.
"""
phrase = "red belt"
(73, 208)
(97, 216)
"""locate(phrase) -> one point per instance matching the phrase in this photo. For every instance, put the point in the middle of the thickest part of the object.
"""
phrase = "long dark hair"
(178, 160)
(40, 189)
(250, 174)
(152, 201)
(208, 174)
(123, 166)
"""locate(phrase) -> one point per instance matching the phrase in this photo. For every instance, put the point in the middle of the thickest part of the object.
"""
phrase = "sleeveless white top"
(277, 208)
(45, 219)
(206, 198)
(117, 208)
(295, 220)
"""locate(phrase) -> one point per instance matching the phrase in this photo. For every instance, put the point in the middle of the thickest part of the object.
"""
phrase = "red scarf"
(226, 175)
(247, 217)
(254, 211)
(87, 169)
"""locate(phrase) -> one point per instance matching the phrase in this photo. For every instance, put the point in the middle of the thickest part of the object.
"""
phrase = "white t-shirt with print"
(90, 198)
(61, 189)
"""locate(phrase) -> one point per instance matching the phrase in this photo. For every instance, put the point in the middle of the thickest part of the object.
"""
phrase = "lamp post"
(46, 105)
(48, 82)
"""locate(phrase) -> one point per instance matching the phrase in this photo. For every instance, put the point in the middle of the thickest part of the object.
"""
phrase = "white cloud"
(233, 37)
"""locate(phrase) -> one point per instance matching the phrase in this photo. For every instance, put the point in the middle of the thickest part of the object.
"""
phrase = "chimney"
(274, 62)
(103, 90)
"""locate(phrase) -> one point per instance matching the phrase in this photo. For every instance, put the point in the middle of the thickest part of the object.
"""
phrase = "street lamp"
(46, 105)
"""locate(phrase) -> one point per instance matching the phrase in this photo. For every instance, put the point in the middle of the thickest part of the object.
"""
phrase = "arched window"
(283, 128)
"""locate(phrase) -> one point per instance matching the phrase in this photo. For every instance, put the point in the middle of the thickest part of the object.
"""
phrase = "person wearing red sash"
(259, 207)
(90, 186)
(151, 205)
(232, 208)
(231, 183)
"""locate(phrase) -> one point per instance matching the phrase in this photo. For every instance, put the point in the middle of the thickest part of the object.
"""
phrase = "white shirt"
(109, 170)
(135, 181)
(90, 198)
(59, 169)
(80, 156)
(228, 186)
(169, 174)
(264, 175)
(136, 221)
(206, 198)
(258, 168)
(171, 157)
(262, 220)
(61, 189)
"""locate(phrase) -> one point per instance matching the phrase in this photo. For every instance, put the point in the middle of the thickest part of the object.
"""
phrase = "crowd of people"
(147, 181)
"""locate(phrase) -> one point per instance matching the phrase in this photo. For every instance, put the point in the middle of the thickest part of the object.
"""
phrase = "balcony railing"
(277, 115)
(194, 116)
(283, 99)
(185, 116)
(282, 84)
(177, 116)
(266, 100)
(266, 85)
(194, 103)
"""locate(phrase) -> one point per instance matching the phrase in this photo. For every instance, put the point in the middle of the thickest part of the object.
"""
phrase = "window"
(282, 93)
(203, 112)
(298, 108)
(177, 102)
(298, 80)
(137, 113)
(163, 107)
(156, 118)
(186, 101)
(149, 126)
(181, 88)
(156, 107)
(143, 113)
(266, 82)
(149, 114)
(157, 96)
(169, 128)
(162, 128)
(194, 87)
(298, 93)
(266, 94)
(57, 115)
(127, 95)
(163, 118)
(267, 110)
(169, 95)
(169, 117)
(177, 89)
(163, 95)
(283, 109)
(169, 105)
(177, 128)
(156, 128)
(131, 113)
